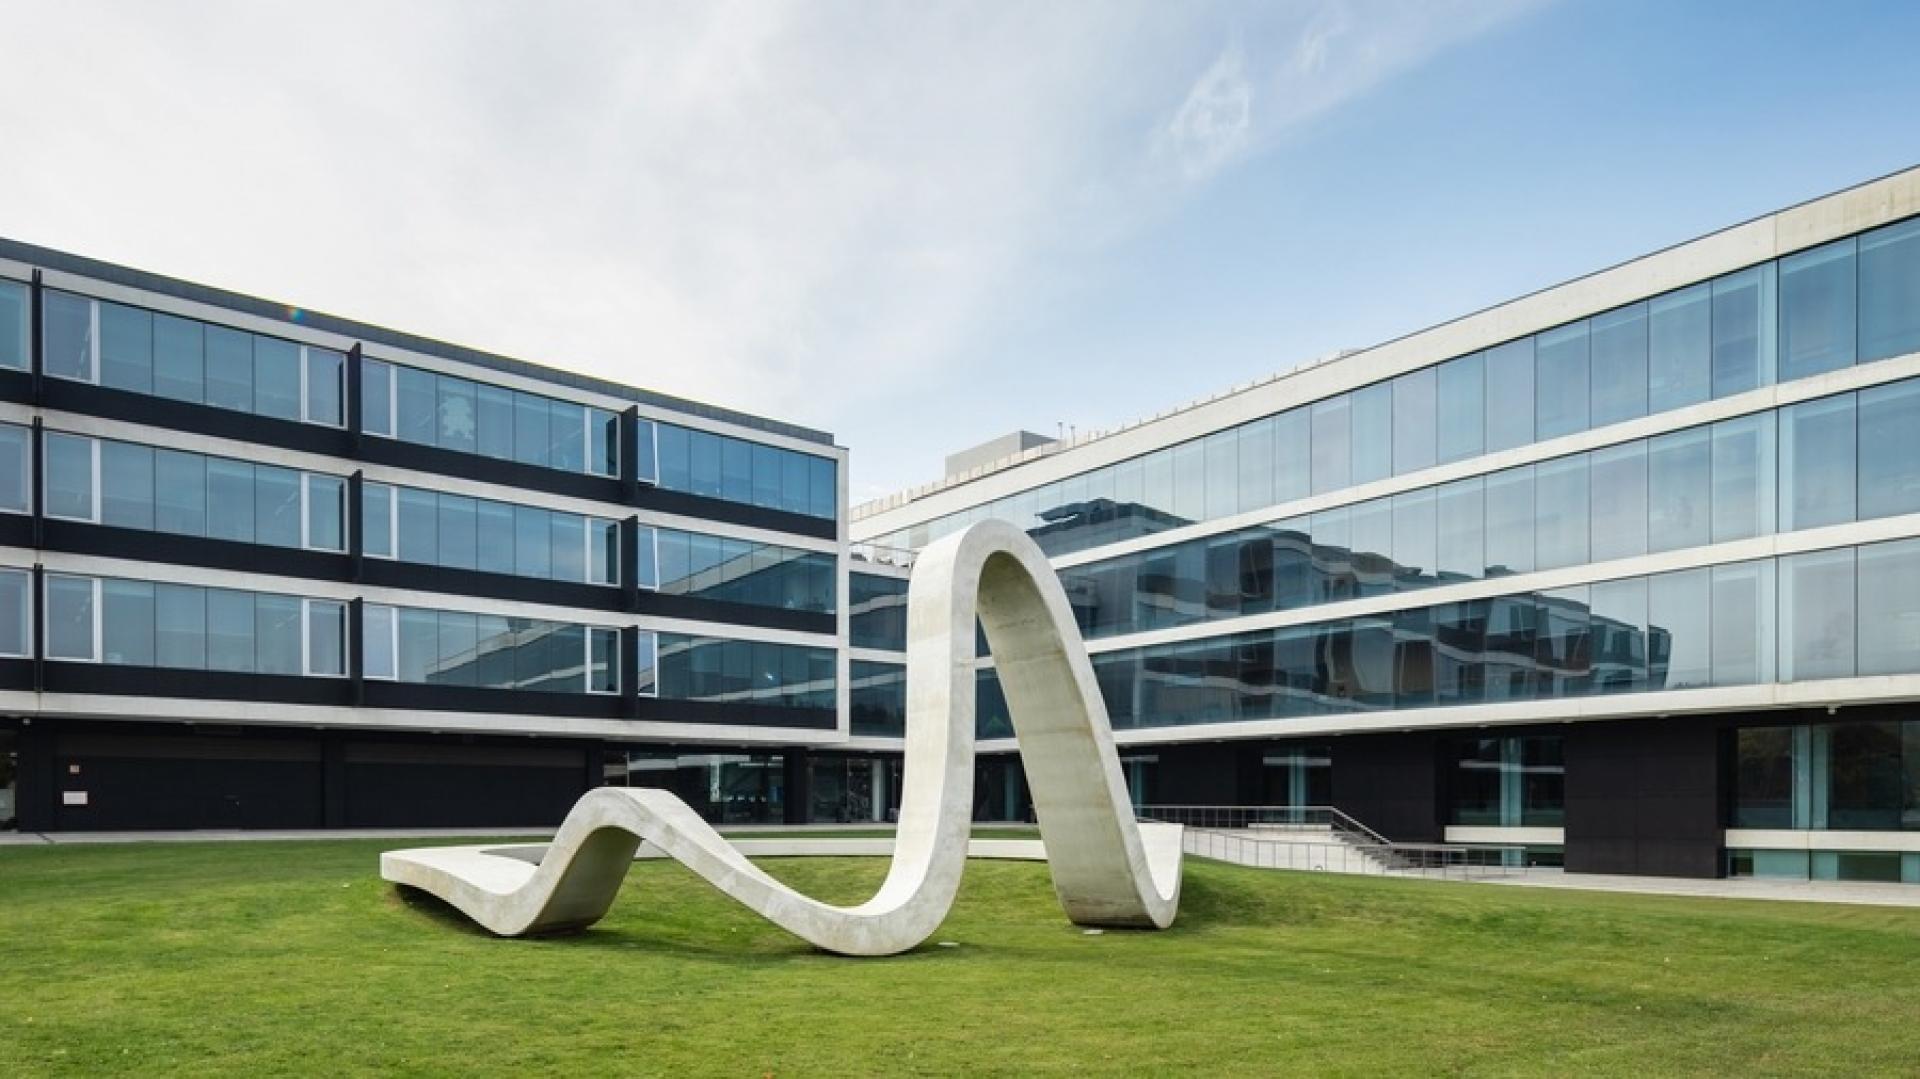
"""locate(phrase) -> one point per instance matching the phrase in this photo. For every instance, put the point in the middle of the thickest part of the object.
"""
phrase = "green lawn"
(260, 958)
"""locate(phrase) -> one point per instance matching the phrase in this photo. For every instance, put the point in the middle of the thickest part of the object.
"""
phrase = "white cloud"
(807, 210)
(1212, 124)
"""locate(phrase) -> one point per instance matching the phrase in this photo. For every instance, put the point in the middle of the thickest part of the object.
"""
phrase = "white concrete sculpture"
(1107, 869)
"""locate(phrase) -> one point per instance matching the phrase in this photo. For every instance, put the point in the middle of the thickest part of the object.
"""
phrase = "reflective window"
(180, 492)
(1510, 397)
(1889, 608)
(1788, 319)
(1460, 521)
(1890, 291)
(1618, 478)
(878, 699)
(1561, 389)
(229, 366)
(470, 417)
(752, 672)
(436, 528)
(1560, 507)
(456, 648)
(1742, 623)
(1255, 482)
(1331, 440)
(179, 358)
(1817, 615)
(1743, 484)
(877, 611)
(1222, 449)
(1679, 647)
(1817, 447)
(1680, 490)
(71, 627)
(1462, 408)
(1510, 521)
(1619, 365)
(68, 334)
(276, 506)
(1415, 419)
(1293, 461)
(129, 348)
(1620, 638)
(230, 620)
(1189, 482)
(229, 499)
(1415, 538)
(709, 465)
(16, 612)
(126, 348)
(192, 495)
(1743, 330)
(187, 627)
(1889, 454)
(70, 468)
(742, 571)
(1679, 348)
(13, 325)
(126, 485)
(16, 460)
(180, 626)
(126, 623)
(277, 378)
(1817, 310)
(376, 398)
(1372, 419)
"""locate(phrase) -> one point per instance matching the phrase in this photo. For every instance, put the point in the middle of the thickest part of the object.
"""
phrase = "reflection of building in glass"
(273, 568)
(1534, 576)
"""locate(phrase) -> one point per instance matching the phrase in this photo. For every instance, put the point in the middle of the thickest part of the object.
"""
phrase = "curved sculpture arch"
(1107, 869)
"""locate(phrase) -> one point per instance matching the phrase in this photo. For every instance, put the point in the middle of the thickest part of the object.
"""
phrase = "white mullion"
(306, 494)
(305, 416)
(93, 341)
(652, 639)
(306, 645)
(93, 446)
(99, 621)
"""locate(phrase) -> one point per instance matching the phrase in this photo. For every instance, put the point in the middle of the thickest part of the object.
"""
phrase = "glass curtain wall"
(1853, 301)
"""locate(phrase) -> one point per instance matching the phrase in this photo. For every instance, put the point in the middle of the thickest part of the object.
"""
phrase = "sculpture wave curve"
(1108, 870)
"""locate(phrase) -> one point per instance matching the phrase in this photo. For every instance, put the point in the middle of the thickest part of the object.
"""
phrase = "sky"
(921, 226)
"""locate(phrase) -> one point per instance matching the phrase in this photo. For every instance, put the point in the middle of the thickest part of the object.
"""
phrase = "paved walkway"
(1803, 891)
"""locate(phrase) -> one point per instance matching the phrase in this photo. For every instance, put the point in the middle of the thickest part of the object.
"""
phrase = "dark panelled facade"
(142, 630)
(1645, 796)
(123, 777)
(1392, 784)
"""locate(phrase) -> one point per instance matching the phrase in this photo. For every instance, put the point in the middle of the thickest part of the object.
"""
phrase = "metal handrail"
(1233, 833)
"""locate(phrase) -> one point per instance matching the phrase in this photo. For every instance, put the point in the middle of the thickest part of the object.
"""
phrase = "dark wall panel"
(1391, 783)
(455, 783)
(1644, 797)
(1199, 775)
(185, 781)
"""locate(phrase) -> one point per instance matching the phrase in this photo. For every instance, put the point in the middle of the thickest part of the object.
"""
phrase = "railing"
(1324, 839)
(875, 554)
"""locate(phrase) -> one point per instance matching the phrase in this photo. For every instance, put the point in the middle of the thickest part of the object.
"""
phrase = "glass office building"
(261, 567)
(1626, 571)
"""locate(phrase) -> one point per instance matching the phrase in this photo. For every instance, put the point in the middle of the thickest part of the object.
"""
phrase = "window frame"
(93, 358)
(26, 611)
